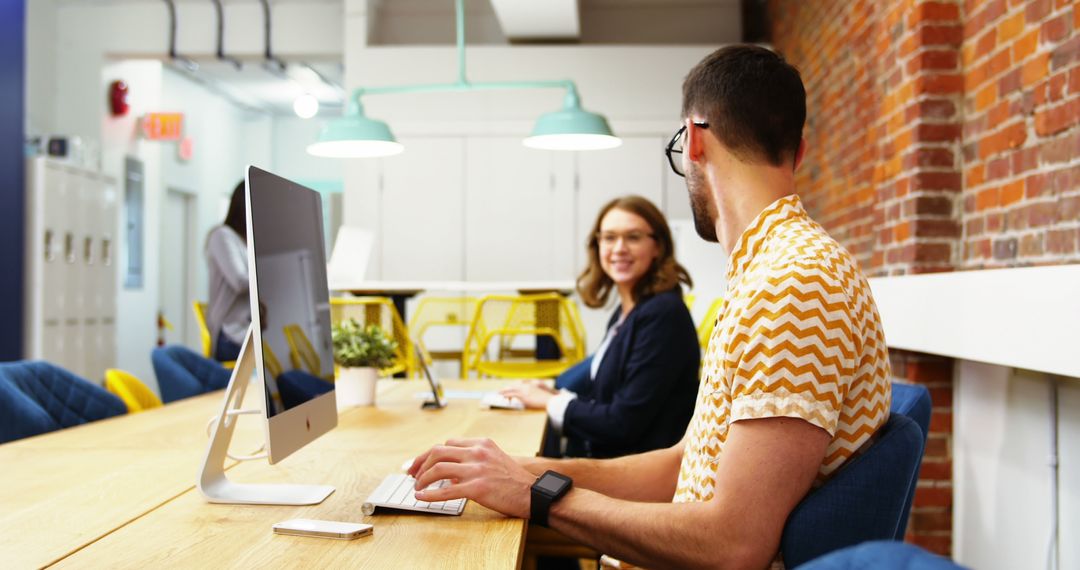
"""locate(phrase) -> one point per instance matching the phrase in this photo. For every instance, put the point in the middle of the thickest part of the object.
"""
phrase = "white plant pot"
(356, 386)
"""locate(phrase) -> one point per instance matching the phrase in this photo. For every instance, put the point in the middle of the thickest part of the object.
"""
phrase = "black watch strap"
(547, 489)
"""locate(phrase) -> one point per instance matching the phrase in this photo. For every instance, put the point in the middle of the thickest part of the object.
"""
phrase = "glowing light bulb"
(306, 106)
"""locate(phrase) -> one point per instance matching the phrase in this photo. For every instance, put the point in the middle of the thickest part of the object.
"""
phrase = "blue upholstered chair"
(576, 376)
(870, 497)
(881, 555)
(912, 401)
(38, 397)
(183, 373)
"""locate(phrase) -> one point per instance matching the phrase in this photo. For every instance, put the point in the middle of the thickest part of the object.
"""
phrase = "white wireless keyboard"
(396, 492)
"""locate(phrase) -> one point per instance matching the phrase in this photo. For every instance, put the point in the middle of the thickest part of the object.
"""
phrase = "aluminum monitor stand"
(212, 482)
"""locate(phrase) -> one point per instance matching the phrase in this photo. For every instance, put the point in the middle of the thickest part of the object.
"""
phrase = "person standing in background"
(228, 313)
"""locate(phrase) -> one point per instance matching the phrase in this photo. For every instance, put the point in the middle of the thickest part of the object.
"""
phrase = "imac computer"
(288, 346)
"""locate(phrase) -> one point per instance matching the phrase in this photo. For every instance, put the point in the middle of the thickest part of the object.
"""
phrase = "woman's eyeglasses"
(632, 239)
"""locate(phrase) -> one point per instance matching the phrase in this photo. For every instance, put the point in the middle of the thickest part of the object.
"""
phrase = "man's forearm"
(647, 477)
(668, 535)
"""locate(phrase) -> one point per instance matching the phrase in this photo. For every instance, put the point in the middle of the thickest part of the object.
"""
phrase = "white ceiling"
(425, 22)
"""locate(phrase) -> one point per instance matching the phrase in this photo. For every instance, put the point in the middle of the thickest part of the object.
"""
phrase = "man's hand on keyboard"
(480, 471)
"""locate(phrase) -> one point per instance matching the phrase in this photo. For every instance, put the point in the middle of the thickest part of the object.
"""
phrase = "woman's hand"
(534, 394)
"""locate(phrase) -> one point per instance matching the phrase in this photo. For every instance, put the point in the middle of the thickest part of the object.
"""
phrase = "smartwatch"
(547, 489)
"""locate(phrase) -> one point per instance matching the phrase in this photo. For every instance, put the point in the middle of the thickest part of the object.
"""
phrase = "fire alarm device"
(118, 94)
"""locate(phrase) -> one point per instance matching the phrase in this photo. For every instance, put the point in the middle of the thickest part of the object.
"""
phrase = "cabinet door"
(517, 213)
(419, 224)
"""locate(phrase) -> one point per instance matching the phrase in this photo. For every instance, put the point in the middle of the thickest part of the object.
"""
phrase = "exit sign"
(163, 126)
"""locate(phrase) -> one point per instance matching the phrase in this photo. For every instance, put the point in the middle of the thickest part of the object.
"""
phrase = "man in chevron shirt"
(795, 378)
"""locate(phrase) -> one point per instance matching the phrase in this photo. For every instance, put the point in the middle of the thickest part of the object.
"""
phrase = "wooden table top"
(118, 508)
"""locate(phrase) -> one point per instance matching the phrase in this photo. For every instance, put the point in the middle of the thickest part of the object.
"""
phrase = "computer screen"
(290, 311)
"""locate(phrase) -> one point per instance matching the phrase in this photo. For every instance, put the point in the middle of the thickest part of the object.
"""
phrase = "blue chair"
(297, 387)
(870, 497)
(883, 555)
(183, 373)
(576, 376)
(912, 401)
(38, 397)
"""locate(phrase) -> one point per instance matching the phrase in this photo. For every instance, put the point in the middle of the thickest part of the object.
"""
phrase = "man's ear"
(695, 142)
(799, 154)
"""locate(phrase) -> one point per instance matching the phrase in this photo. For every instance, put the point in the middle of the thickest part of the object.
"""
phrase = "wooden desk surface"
(63, 490)
(181, 529)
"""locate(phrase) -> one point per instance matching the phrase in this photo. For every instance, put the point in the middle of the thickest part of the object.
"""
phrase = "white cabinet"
(70, 296)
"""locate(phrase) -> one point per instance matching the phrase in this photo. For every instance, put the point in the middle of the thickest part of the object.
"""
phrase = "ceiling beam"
(532, 20)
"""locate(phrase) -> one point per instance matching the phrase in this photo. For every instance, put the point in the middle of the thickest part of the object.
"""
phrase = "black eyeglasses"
(675, 147)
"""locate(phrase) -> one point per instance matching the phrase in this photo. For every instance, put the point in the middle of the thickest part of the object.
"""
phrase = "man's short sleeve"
(793, 349)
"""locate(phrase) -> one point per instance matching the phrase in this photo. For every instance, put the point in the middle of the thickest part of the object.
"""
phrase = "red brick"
(1074, 78)
(1056, 119)
(1031, 245)
(936, 181)
(998, 168)
(1010, 27)
(1036, 10)
(1053, 31)
(985, 97)
(1005, 249)
(941, 397)
(1061, 241)
(937, 228)
(931, 521)
(938, 544)
(932, 253)
(939, 84)
(986, 43)
(1009, 82)
(1065, 54)
(932, 35)
(1056, 89)
(932, 12)
(933, 497)
(937, 132)
(937, 447)
(1034, 70)
(1025, 159)
(1012, 192)
(1025, 45)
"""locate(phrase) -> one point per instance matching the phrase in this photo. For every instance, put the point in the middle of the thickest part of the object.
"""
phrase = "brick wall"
(942, 135)
(1021, 196)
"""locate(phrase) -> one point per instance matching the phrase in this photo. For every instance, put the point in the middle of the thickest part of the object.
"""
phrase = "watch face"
(549, 484)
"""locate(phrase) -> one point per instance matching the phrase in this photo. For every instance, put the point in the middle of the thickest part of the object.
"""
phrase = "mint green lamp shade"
(355, 136)
(572, 128)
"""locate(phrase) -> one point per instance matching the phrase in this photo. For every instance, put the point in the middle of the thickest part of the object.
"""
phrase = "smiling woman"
(636, 392)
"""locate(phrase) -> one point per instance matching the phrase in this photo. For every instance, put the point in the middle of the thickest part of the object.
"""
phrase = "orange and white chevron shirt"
(799, 336)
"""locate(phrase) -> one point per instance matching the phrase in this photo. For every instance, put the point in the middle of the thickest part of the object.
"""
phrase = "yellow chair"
(301, 352)
(379, 311)
(689, 300)
(135, 395)
(442, 312)
(705, 329)
(270, 361)
(204, 333)
(506, 319)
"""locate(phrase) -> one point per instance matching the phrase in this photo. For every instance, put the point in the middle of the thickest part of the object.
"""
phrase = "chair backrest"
(270, 360)
(914, 402)
(508, 318)
(135, 395)
(37, 397)
(379, 311)
(301, 353)
(862, 501)
(181, 373)
(440, 312)
(204, 330)
(705, 329)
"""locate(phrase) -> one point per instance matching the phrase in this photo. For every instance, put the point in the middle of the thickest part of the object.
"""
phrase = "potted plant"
(360, 352)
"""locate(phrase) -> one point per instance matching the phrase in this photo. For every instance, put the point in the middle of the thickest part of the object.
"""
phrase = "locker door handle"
(106, 251)
(50, 255)
(69, 247)
(88, 250)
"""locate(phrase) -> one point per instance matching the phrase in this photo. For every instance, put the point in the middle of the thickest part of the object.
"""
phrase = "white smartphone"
(323, 529)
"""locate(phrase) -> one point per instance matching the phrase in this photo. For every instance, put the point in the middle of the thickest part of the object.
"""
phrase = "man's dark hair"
(237, 216)
(753, 100)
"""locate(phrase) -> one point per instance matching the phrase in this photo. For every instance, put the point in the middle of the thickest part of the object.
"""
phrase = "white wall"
(1003, 422)
(226, 139)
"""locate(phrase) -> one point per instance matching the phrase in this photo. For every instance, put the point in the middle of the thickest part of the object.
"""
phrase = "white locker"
(70, 289)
